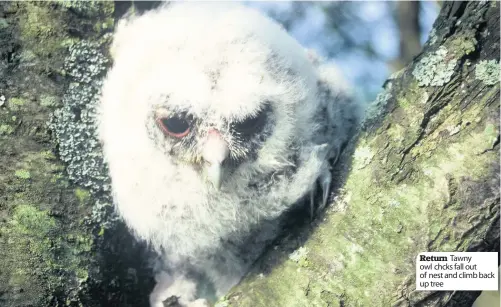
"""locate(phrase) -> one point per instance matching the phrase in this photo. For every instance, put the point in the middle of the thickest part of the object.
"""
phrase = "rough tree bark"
(59, 245)
(421, 176)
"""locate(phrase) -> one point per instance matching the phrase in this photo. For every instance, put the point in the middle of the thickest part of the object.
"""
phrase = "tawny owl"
(214, 122)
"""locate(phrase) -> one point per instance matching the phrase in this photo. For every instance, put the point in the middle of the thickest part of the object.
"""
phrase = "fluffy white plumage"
(219, 68)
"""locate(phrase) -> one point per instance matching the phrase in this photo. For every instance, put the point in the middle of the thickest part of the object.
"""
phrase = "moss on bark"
(49, 243)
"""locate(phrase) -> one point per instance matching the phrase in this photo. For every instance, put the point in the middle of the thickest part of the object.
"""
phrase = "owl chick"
(214, 122)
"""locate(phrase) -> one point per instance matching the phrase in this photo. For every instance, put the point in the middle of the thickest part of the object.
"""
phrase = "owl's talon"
(159, 293)
(325, 180)
(312, 200)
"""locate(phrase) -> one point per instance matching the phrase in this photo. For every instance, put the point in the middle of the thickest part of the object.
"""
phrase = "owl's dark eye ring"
(249, 124)
(175, 126)
(252, 124)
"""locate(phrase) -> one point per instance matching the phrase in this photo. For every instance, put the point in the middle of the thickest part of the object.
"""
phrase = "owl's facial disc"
(215, 151)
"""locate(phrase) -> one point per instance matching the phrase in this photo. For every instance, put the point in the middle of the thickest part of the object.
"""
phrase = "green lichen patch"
(88, 8)
(300, 256)
(463, 45)
(269, 292)
(435, 69)
(26, 251)
(397, 133)
(42, 30)
(82, 195)
(487, 72)
(23, 174)
(36, 254)
(6, 129)
(35, 248)
(16, 103)
(490, 135)
(49, 101)
(85, 65)
(223, 303)
(28, 220)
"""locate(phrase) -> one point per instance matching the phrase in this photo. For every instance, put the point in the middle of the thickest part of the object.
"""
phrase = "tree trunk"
(423, 175)
(59, 245)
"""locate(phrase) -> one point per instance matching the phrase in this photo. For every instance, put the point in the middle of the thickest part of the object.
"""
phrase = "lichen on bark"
(50, 242)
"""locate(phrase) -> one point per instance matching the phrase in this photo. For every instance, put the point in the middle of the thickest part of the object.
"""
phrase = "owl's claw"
(312, 200)
(176, 290)
(159, 293)
(325, 180)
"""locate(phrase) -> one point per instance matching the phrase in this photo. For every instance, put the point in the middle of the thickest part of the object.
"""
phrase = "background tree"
(367, 40)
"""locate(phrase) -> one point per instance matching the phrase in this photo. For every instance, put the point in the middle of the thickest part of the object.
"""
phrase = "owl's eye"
(177, 126)
(252, 124)
(249, 125)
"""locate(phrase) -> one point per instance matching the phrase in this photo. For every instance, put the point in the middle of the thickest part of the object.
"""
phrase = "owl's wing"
(339, 113)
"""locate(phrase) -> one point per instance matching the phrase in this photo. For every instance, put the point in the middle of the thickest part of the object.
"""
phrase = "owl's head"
(218, 87)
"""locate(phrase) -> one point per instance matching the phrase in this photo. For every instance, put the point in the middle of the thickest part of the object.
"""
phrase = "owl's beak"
(215, 151)
(214, 175)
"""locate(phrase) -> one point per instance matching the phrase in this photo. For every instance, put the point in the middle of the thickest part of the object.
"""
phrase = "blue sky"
(367, 74)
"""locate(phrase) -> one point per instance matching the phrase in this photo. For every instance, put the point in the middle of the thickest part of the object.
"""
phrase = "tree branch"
(421, 176)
